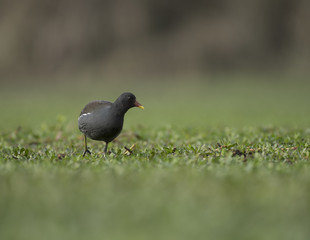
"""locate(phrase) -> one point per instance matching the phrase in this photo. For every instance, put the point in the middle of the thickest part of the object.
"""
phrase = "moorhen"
(103, 120)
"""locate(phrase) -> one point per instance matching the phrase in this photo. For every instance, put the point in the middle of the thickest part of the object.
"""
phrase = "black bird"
(103, 120)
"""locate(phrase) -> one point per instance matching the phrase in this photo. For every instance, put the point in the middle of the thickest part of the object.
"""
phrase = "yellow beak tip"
(141, 107)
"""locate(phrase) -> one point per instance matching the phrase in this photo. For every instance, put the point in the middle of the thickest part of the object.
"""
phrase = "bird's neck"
(119, 109)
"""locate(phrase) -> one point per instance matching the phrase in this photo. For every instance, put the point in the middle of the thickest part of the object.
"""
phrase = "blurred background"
(153, 36)
(77, 51)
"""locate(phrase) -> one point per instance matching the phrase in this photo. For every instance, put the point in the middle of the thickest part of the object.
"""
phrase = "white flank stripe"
(84, 114)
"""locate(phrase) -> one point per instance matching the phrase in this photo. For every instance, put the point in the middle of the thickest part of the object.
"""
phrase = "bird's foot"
(86, 151)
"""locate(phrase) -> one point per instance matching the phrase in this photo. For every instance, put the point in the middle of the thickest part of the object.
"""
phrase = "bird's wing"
(92, 106)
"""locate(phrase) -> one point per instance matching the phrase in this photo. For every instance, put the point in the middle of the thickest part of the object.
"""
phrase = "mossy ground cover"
(224, 164)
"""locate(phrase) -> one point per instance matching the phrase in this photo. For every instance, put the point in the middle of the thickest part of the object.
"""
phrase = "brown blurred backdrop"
(146, 37)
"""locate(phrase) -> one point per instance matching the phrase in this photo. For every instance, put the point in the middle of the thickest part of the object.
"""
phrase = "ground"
(217, 160)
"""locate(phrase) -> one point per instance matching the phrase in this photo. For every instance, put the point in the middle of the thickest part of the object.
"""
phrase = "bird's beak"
(137, 104)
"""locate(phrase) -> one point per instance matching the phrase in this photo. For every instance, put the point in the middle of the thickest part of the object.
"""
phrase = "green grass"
(212, 161)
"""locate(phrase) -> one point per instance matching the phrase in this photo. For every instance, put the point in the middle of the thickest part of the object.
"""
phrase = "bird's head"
(127, 100)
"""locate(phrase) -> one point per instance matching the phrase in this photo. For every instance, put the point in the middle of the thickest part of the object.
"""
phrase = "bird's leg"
(85, 145)
(105, 149)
